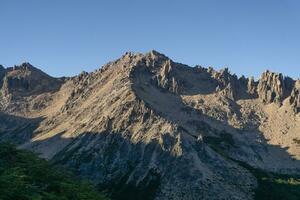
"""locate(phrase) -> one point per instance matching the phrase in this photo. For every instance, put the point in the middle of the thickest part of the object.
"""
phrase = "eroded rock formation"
(273, 87)
(295, 97)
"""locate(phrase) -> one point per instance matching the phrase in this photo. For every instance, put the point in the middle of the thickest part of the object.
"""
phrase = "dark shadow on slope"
(17, 130)
(112, 164)
(198, 81)
(121, 168)
(126, 170)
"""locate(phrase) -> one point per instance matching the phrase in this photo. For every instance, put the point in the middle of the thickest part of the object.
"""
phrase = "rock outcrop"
(166, 80)
(27, 80)
(295, 97)
(274, 87)
(19, 84)
(2, 74)
(252, 87)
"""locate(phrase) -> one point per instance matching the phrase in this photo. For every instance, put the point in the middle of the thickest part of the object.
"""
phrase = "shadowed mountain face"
(144, 123)
(25, 80)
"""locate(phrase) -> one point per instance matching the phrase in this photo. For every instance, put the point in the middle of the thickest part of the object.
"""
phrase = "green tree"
(25, 176)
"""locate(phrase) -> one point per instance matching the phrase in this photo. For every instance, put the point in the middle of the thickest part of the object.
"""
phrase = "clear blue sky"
(64, 37)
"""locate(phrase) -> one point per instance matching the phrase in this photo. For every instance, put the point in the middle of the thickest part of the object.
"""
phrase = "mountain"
(146, 127)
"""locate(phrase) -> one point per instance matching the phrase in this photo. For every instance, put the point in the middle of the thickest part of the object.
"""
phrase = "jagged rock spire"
(274, 87)
(295, 97)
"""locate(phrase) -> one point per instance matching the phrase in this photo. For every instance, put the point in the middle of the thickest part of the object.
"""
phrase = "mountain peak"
(25, 79)
(155, 54)
(24, 67)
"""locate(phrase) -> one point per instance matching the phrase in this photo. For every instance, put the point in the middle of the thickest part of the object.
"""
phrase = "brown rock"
(273, 87)
(295, 97)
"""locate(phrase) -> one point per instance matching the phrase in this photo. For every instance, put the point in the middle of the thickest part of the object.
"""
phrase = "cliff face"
(144, 123)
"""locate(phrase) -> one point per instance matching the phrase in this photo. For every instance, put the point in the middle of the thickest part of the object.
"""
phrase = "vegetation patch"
(24, 176)
(222, 142)
(274, 186)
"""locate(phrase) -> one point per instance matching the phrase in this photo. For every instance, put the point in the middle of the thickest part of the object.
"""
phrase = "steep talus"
(144, 124)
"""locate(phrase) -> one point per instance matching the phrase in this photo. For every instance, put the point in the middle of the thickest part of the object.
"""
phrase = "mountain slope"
(146, 123)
